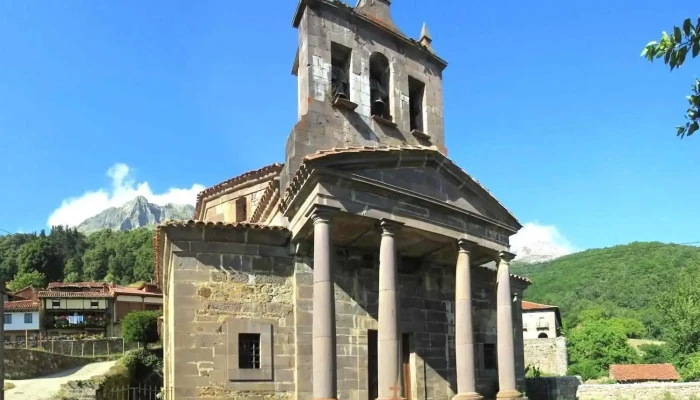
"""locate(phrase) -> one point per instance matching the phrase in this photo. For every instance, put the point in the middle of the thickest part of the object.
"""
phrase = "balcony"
(75, 321)
(542, 325)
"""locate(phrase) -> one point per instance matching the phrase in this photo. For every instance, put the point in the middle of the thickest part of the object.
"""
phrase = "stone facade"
(359, 271)
(548, 355)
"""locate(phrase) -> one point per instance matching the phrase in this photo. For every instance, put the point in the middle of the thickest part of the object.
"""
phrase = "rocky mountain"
(538, 252)
(135, 214)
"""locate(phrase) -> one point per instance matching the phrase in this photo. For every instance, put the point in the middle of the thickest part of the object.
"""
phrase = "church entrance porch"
(415, 302)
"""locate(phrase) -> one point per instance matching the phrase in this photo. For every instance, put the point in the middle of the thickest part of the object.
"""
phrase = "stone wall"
(552, 388)
(549, 355)
(28, 364)
(639, 391)
(82, 347)
(221, 289)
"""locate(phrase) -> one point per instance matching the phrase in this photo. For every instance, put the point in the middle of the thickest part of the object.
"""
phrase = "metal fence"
(130, 393)
(77, 347)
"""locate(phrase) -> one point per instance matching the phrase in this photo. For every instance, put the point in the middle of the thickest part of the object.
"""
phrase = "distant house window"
(489, 356)
(55, 303)
(249, 350)
(8, 319)
(94, 303)
(28, 318)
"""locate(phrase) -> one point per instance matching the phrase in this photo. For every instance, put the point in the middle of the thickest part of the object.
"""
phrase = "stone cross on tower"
(379, 10)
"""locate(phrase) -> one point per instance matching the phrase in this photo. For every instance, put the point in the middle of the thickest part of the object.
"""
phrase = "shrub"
(141, 326)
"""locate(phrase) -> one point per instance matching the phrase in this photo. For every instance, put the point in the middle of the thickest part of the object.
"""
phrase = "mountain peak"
(136, 213)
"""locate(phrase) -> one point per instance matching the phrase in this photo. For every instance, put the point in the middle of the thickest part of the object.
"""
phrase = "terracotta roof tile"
(522, 278)
(231, 225)
(221, 187)
(528, 305)
(53, 285)
(118, 289)
(22, 305)
(303, 172)
(644, 372)
(52, 293)
(271, 192)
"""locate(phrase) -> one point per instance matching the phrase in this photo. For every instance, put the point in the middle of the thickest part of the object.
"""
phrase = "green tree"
(141, 326)
(27, 278)
(41, 255)
(73, 270)
(680, 311)
(594, 346)
(655, 353)
(674, 48)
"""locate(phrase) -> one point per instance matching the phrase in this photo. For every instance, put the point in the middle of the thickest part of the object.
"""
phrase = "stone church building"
(368, 265)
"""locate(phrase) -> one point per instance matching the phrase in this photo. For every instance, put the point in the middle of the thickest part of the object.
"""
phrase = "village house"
(359, 268)
(640, 373)
(540, 321)
(21, 321)
(544, 345)
(92, 308)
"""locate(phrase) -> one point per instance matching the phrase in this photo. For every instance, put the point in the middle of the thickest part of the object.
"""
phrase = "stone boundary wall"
(549, 355)
(79, 347)
(28, 364)
(552, 388)
(639, 391)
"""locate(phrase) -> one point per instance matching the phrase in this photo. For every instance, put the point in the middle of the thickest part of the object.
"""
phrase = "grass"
(8, 386)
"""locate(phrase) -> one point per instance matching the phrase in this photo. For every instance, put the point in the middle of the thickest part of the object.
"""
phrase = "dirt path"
(47, 386)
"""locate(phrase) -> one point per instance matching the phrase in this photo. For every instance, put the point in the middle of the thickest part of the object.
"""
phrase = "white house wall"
(18, 321)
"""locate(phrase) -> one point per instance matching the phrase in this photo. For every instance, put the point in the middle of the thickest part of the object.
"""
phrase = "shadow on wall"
(553, 388)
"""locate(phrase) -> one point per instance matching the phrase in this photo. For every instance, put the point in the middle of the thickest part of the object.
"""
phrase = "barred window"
(249, 350)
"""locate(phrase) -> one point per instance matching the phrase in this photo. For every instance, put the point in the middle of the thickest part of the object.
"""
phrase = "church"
(368, 265)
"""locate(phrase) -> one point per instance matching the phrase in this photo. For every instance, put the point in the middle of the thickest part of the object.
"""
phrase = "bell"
(378, 107)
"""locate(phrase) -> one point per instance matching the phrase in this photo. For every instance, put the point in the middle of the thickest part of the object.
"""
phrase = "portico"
(403, 241)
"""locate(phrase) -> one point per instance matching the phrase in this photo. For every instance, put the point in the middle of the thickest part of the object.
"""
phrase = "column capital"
(389, 226)
(506, 256)
(321, 213)
(466, 245)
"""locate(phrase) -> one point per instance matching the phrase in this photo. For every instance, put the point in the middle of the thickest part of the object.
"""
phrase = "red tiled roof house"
(637, 373)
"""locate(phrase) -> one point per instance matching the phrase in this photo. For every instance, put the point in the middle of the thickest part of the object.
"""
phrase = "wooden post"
(26, 339)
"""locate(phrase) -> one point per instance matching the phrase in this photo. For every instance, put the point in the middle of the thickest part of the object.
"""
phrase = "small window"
(379, 74)
(241, 209)
(489, 356)
(416, 90)
(340, 74)
(249, 350)
(94, 303)
(28, 318)
(55, 303)
(8, 319)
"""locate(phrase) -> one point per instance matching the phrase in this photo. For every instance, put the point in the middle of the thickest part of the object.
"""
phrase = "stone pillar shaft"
(504, 330)
(464, 332)
(388, 346)
(323, 346)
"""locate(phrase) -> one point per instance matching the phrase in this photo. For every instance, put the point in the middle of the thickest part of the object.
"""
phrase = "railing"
(543, 325)
(130, 393)
(77, 347)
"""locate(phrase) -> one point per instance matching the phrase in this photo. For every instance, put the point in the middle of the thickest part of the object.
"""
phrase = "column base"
(324, 398)
(391, 398)
(509, 395)
(468, 396)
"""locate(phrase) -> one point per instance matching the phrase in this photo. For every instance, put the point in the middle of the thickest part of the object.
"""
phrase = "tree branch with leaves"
(674, 50)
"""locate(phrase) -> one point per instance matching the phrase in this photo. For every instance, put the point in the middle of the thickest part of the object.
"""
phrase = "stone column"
(323, 346)
(388, 340)
(504, 330)
(464, 332)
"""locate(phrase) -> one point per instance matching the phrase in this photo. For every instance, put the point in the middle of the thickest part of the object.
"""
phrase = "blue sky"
(547, 103)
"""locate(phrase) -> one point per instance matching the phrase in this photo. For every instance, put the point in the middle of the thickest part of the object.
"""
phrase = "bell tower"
(362, 81)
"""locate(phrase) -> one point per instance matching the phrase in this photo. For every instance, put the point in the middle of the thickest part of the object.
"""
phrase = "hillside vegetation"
(625, 281)
(67, 255)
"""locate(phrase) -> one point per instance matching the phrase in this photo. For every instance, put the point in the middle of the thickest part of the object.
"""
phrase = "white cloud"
(75, 210)
(535, 242)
